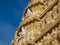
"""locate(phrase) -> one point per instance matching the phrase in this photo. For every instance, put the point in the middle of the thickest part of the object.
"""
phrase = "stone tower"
(40, 24)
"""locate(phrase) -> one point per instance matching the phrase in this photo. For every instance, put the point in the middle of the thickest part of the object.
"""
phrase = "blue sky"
(10, 16)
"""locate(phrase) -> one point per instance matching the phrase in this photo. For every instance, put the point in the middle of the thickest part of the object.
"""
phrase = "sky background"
(10, 16)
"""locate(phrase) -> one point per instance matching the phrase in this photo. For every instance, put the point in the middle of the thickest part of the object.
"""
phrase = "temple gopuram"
(40, 24)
